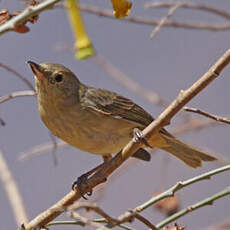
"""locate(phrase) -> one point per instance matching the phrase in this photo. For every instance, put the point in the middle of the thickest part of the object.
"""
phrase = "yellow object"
(83, 43)
(121, 8)
(99, 121)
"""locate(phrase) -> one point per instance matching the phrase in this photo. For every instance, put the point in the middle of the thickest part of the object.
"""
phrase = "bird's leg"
(138, 136)
(82, 180)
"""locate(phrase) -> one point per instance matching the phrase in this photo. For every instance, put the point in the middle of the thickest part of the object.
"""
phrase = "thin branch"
(163, 21)
(38, 149)
(152, 22)
(93, 207)
(54, 148)
(194, 124)
(209, 115)
(12, 192)
(128, 82)
(178, 186)
(208, 201)
(17, 74)
(26, 14)
(22, 93)
(86, 221)
(190, 5)
(100, 176)
(127, 217)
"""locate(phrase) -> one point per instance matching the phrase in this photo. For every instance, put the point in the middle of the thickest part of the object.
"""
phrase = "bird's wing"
(110, 103)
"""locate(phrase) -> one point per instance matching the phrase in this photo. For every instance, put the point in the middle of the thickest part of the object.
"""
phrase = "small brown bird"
(99, 121)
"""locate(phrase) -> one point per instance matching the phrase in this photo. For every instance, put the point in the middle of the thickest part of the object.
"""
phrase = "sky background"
(172, 61)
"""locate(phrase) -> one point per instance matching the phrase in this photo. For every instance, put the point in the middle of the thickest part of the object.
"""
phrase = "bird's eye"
(58, 78)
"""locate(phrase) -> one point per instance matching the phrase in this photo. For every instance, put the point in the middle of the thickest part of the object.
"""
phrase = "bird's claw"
(138, 136)
(81, 184)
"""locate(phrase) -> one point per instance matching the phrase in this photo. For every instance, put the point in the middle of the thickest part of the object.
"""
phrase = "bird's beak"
(37, 70)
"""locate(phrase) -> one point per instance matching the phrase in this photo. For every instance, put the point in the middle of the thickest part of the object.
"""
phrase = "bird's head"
(54, 81)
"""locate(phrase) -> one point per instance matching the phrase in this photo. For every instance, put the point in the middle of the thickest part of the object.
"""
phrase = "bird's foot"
(81, 185)
(138, 136)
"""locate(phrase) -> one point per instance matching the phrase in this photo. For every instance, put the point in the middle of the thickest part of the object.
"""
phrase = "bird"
(99, 121)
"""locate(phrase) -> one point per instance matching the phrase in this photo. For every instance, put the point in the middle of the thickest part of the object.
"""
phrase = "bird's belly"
(97, 135)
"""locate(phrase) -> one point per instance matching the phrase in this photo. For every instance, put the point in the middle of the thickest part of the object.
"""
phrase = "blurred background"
(172, 61)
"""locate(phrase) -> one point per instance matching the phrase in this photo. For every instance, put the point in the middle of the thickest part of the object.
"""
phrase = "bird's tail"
(189, 155)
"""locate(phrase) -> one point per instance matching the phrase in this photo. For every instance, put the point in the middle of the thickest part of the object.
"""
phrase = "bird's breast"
(91, 132)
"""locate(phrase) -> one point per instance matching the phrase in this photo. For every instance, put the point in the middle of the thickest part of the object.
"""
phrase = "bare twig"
(164, 119)
(23, 93)
(93, 207)
(152, 22)
(202, 203)
(17, 74)
(54, 148)
(86, 221)
(178, 186)
(127, 217)
(171, 11)
(194, 124)
(12, 192)
(26, 14)
(190, 5)
(209, 115)
(128, 82)
(38, 149)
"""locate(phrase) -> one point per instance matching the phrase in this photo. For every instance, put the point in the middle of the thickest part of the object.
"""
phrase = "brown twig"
(86, 221)
(209, 115)
(190, 5)
(163, 21)
(12, 192)
(164, 119)
(93, 207)
(54, 148)
(17, 74)
(38, 149)
(22, 93)
(128, 82)
(152, 22)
